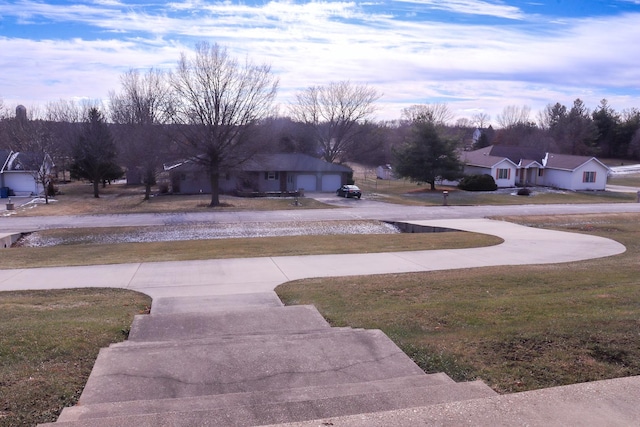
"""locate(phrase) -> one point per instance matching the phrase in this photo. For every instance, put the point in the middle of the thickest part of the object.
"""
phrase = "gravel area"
(212, 231)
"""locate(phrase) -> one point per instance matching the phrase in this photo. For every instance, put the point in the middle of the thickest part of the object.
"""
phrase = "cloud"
(471, 65)
(472, 7)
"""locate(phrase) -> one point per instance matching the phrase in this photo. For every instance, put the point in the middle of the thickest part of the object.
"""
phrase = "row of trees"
(573, 129)
(211, 109)
(218, 111)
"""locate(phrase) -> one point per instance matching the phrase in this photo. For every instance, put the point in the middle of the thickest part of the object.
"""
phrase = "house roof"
(516, 154)
(527, 163)
(16, 161)
(291, 162)
(524, 158)
(483, 158)
(283, 162)
(568, 162)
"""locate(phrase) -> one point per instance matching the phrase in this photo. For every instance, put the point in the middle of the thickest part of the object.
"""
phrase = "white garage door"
(308, 182)
(330, 182)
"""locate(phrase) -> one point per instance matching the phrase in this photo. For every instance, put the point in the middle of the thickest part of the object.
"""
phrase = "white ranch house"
(514, 166)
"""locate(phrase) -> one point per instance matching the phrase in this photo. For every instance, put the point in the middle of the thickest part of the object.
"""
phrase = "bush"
(524, 192)
(478, 183)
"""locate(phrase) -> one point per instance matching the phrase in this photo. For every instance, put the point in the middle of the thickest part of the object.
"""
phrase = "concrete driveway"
(522, 245)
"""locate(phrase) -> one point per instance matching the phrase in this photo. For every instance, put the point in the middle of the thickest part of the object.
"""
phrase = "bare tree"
(3, 111)
(481, 120)
(218, 102)
(464, 122)
(139, 113)
(438, 114)
(65, 111)
(333, 113)
(513, 116)
(65, 118)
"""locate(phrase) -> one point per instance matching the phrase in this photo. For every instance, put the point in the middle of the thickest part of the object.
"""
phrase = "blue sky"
(474, 55)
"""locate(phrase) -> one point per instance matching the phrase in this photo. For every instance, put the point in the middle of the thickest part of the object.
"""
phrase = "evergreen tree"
(426, 157)
(94, 154)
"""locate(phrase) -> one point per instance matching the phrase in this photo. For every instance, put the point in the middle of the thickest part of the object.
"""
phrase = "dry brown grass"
(49, 341)
(516, 328)
(87, 254)
(76, 198)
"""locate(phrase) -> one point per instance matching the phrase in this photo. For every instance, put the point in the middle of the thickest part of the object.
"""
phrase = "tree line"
(218, 112)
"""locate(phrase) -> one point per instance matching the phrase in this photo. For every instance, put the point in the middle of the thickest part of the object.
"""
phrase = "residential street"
(353, 209)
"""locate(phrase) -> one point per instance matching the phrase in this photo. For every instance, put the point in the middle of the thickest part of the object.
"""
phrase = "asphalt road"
(350, 209)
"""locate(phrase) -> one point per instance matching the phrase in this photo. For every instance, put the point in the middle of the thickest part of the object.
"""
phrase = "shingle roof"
(515, 154)
(524, 157)
(568, 162)
(482, 157)
(291, 162)
(283, 162)
(17, 161)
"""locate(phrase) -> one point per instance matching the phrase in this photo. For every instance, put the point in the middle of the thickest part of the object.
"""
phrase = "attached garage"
(307, 182)
(331, 182)
(268, 173)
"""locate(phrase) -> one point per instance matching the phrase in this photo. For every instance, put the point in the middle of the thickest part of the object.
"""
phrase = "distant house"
(265, 173)
(17, 176)
(512, 166)
(384, 172)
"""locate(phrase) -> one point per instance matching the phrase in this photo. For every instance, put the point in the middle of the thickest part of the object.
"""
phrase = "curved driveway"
(522, 245)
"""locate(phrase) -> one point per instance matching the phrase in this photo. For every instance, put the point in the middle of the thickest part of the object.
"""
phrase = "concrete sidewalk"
(522, 245)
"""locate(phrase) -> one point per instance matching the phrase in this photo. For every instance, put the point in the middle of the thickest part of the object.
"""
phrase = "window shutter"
(584, 177)
(497, 173)
(509, 173)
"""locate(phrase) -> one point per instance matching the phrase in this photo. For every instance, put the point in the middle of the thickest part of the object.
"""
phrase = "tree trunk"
(96, 188)
(149, 180)
(214, 177)
(147, 191)
(45, 188)
(433, 185)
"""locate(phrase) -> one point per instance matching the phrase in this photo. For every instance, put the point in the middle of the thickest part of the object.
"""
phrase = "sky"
(477, 56)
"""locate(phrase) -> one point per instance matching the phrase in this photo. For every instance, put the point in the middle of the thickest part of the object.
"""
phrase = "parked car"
(349, 191)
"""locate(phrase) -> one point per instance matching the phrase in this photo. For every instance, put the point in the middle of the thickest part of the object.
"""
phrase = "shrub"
(478, 183)
(524, 192)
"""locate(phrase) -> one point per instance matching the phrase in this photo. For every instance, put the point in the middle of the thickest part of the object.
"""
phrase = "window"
(540, 172)
(503, 174)
(588, 177)
(271, 176)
